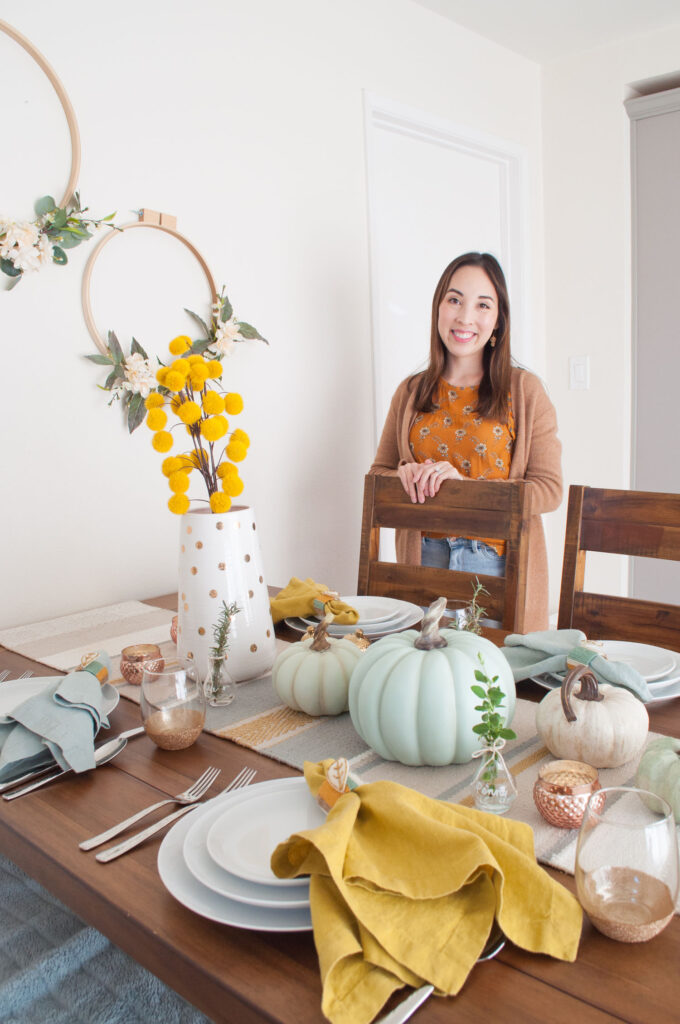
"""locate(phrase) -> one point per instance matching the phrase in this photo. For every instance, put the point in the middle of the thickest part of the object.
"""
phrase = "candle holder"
(562, 791)
(135, 658)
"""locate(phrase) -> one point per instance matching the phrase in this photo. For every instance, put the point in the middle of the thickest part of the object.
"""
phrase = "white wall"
(245, 120)
(586, 162)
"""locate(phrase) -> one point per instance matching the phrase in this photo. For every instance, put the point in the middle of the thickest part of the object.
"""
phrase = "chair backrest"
(475, 509)
(625, 523)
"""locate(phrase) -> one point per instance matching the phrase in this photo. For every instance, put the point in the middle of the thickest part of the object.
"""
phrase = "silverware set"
(244, 778)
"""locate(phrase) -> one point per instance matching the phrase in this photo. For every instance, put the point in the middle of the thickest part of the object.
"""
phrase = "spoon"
(102, 754)
(408, 1006)
(39, 772)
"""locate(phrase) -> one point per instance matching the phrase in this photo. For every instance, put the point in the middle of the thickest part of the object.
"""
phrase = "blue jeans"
(462, 554)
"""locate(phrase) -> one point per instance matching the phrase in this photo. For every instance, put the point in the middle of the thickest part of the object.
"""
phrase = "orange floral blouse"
(478, 448)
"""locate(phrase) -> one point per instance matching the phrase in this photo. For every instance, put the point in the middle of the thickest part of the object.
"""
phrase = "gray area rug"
(55, 969)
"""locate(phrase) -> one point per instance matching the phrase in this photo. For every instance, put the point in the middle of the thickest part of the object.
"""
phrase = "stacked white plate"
(215, 861)
(378, 616)
(657, 665)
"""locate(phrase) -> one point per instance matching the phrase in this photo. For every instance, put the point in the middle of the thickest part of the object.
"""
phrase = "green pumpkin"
(659, 771)
(313, 675)
(414, 704)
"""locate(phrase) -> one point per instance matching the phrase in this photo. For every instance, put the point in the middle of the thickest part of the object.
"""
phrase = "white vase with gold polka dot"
(220, 560)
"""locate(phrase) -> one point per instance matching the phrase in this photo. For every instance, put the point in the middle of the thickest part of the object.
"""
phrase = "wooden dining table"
(249, 977)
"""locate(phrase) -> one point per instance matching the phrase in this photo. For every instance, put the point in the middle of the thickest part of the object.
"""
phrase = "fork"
(244, 778)
(189, 796)
(5, 672)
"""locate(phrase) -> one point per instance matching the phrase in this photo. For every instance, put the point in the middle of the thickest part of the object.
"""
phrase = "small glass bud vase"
(493, 786)
(219, 686)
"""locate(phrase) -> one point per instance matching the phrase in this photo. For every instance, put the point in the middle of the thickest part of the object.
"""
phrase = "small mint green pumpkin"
(313, 675)
(659, 771)
(416, 705)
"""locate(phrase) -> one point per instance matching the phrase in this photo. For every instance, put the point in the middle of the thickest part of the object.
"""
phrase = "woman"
(473, 415)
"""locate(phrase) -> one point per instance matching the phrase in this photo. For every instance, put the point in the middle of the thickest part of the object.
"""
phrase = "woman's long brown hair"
(492, 401)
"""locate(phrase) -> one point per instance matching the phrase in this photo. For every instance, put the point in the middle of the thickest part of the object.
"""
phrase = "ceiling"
(544, 30)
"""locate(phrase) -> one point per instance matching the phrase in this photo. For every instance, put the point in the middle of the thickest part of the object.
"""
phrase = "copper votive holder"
(134, 659)
(562, 791)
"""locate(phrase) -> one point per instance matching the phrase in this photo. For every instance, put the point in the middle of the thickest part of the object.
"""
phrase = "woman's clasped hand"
(422, 480)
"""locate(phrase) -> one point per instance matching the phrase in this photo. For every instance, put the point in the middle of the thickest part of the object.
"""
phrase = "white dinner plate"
(663, 690)
(372, 609)
(244, 836)
(651, 662)
(402, 621)
(14, 693)
(203, 868)
(188, 891)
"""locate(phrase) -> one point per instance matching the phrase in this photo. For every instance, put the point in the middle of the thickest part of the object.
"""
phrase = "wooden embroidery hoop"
(148, 219)
(63, 99)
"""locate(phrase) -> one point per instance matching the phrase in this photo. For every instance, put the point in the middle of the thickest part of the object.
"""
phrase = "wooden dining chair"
(473, 509)
(641, 523)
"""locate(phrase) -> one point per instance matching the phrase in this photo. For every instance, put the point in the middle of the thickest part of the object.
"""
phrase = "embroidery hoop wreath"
(59, 221)
(111, 351)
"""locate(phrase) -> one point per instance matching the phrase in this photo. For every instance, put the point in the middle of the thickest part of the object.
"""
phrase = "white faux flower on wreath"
(140, 379)
(29, 245)
(225, 336)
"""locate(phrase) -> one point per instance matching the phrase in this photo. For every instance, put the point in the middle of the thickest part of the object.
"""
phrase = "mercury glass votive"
(562, 791)
(133, 659)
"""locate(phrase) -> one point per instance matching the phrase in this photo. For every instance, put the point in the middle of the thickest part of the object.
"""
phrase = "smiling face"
(468, 314)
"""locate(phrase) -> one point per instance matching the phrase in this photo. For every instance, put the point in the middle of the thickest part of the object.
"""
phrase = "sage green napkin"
(547, 650)
(58, 724)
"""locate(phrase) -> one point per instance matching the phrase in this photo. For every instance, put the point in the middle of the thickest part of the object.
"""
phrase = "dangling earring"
(492, 339)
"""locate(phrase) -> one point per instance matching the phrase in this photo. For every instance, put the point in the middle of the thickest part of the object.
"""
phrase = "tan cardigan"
(536, 458)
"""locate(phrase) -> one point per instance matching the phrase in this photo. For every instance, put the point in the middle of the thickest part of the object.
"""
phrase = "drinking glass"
(627, 863)
(173, 707)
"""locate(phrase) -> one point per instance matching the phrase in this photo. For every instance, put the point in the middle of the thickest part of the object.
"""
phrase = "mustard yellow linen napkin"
(305, 597)
(404, 890)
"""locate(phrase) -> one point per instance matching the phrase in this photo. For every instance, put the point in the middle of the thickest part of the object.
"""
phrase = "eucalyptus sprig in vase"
(493, 786)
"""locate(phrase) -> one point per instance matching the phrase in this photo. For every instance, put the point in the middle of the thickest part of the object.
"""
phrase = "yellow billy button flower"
(220, 502)
(226, 469)
(241, 436)
(174, 380)
(214, 428)
(179, 344)
(233, 403)
(214, 369)
(213, 403)
(198, 375)
(232, 485)
(195, 358)
(156, 419)
(236, 451)
(181, 366)
(161, 374)
(186, 463)
(154, 401)
(199, 459)
(189, 412)
(179, 504)
(170, 465)
(175, 403)
(162, 441)
(179, 482)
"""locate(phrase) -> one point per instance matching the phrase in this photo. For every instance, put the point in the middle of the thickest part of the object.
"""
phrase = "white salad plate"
(243, 837)
(188, 891)
(17, 691)
(203, 868)
(371, 609)
(651, 662)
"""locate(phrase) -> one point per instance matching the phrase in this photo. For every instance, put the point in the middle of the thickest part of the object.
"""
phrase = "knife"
(408, 1006)
(102, 754)
(39, 772)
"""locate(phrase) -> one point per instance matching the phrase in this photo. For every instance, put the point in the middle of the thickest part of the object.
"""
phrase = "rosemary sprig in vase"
(494, 788)
(219, 686)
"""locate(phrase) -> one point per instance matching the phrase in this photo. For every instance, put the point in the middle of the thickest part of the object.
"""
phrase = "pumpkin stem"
(320, 634)
(430, 637)
(588, 690)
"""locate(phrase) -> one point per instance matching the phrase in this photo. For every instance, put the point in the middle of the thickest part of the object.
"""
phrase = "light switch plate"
(579, 373)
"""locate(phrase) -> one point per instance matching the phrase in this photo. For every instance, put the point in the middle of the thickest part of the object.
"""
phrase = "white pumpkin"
(604, 725)
(313, 675)
(412, 702)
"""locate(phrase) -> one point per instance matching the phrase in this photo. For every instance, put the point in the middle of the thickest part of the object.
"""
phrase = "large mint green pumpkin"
(659, 771)
(416, 706)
